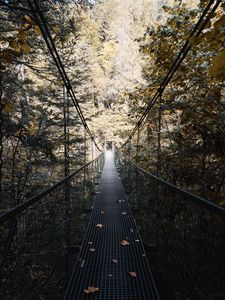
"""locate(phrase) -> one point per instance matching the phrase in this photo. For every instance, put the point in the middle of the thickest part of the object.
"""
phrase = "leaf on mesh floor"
(115, 261)
(92, 249)
(91, 290)
(124, 213)
(132, 274)
(99, 225)
(124, 243)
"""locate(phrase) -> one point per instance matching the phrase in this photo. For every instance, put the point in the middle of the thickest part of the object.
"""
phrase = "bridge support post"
(1, 133)
(66, 173)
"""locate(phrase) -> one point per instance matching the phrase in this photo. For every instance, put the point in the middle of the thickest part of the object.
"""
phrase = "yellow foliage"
(210, 35)
(193, 40)
(220, 23)
(25, 47)
(22, 36)
(33, 129)
(15, 46)
(37, 30)
(56, 28)
(217, 69)
(28, 19)
(8, 108)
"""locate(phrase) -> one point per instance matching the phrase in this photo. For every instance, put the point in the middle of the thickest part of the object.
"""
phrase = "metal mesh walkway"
(104, 262)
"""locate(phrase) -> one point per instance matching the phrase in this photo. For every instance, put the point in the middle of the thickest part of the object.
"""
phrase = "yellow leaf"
(22, 36)
(91, 290)
(8, 107)
(33, 129)
(217, 69)
(124, 243)
(60, 83)
(132, 274)
(220, 23)
(193, 40)
(25, 47)
(8, 55)
(15, 46)
(210, 35)
(27, 26)
(208, 24)
(166, 8)
(28, 19)
(37, 30)
(56, 28)
(99, 225)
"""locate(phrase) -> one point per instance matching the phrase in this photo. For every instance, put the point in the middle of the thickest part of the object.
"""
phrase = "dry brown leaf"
(124, 243)
(92, 249)
(115, 261)
(91, 290)
(99, 225)
(132, 274)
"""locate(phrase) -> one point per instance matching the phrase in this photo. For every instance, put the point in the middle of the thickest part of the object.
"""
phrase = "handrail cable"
(200, 25)
(199, 200)
(21, 207)
(41, 22)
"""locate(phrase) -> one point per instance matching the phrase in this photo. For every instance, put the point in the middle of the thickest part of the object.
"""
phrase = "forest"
(116, 54)
(64, 97)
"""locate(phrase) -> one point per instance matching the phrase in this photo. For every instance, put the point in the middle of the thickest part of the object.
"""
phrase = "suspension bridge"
(145, 238)
(184, 239)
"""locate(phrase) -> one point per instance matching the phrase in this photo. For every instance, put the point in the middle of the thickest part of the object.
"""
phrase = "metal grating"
(97, 268)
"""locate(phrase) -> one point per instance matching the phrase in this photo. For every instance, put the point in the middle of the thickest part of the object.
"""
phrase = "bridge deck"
(107, 267)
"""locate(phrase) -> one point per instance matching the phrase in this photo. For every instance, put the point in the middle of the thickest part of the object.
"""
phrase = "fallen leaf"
(99, 225)
(119, 201)
(102, 212)
(124, 213)
(90, 243)
(115, 261)
(124, 243)
(132, 274)
(92, 249)
(91, 290)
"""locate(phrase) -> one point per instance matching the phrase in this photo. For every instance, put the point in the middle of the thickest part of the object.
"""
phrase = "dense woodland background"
(116, 54)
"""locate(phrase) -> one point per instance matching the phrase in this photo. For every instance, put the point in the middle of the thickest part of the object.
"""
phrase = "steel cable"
(41, 22)
(199, 27)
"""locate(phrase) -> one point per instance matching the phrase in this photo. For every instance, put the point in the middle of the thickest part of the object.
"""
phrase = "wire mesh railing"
(40, 237)
(183, 235)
